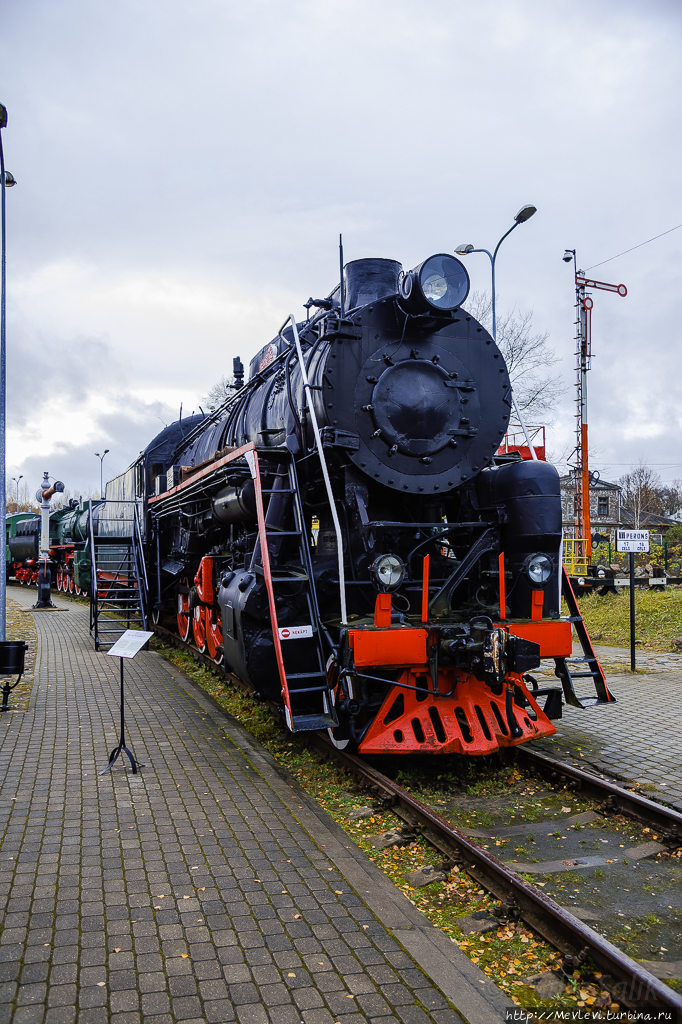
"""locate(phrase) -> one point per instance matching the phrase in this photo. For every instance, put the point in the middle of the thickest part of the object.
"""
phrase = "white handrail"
(325, 471)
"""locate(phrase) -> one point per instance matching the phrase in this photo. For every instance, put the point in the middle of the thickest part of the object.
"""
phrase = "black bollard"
(44, 587)
(12, 654)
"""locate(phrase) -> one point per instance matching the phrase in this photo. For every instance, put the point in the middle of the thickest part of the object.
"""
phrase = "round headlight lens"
(444, 281)
(539, 568)
(388, 572)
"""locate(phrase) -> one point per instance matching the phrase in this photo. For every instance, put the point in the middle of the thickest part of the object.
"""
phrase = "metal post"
(3, 288)
(492, 256)
(43, 495)
(121, 748)
(632, 611)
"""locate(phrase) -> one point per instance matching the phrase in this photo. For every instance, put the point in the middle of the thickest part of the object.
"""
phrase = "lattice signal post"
(583, 357)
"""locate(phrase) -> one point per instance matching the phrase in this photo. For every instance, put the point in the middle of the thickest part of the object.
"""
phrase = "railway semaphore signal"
(583, 355)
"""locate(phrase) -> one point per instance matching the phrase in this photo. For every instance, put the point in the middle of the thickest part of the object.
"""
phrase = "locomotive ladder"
(301, 690)
(587, 666)
(119, 585)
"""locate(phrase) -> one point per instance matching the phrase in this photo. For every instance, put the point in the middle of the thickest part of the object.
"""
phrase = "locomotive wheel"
(70, 579)
(77, 589)
(184, 614)
(60, 580)
(340, 735)
(199, 627)
(214, 636)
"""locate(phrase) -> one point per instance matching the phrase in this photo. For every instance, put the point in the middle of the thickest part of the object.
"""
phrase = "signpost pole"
(127, 646)
(628, 542)
(632, 611)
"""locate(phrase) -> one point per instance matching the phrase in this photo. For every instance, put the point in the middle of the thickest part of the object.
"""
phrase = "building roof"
(647, 520)
(595, 485)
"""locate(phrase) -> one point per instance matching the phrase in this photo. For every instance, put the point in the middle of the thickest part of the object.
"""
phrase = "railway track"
(629, 982)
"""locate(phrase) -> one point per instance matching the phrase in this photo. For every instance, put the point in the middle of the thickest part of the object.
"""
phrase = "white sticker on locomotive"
(294, 632)
(268, 357)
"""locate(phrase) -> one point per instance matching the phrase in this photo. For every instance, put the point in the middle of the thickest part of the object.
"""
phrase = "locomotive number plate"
(294, 632)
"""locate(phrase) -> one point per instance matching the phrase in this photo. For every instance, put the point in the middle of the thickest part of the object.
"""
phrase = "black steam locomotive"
(342, 535)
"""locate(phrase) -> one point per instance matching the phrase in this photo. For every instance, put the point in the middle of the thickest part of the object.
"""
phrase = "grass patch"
(658, 618)
(21, 626)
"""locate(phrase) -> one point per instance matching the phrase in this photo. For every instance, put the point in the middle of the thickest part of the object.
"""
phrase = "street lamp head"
(525, 213)
(106, 450)
(464, 249)
(9, 180)
(569, 254)
(3, 116)
(97, 455)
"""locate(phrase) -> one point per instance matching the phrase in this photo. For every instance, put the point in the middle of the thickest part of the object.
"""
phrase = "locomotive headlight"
(539, 569)
(441, 282)
(387, 572)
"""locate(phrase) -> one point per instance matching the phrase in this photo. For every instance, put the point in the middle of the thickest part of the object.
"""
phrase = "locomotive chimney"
(367, 280)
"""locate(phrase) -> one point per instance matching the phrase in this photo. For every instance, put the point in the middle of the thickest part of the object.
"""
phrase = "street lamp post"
(101, 462)
(524, 214)
(6, 180)
(16, 480)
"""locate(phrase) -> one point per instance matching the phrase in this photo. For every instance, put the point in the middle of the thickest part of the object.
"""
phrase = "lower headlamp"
(387, 572)
(538, 569)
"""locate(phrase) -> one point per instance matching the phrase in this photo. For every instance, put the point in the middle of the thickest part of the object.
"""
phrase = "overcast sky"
(184, 171)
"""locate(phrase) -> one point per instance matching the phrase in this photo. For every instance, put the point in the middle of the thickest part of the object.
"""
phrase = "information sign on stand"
(127, 646)
(631, 542)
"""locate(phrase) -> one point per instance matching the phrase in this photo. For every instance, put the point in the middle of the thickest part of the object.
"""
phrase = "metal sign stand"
(631, 541)
(127, 646)
(632, 611)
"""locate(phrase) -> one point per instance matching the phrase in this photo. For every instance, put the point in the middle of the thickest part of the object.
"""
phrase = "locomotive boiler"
(342, 535)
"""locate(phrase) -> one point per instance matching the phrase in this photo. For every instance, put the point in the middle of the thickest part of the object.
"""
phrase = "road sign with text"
(632, 541)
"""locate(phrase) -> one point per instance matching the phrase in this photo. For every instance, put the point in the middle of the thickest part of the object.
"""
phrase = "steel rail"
(635, 987)
(616, 799)
(632, 985)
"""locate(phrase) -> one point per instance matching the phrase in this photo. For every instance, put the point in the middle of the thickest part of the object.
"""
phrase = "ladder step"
(308, 675)
(282, 533)
(308, 723)
(308, 689)
(583, 675)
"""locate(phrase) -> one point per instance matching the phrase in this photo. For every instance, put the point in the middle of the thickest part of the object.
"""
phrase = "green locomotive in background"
(69, 547)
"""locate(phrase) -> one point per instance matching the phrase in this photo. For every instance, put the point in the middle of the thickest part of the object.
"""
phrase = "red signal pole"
(583, 528)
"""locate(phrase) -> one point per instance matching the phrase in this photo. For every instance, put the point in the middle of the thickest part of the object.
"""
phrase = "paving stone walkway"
(638, 739)
(209, 888)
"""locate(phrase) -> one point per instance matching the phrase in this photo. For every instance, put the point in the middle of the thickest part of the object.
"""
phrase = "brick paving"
(208, 888)
(638, 739)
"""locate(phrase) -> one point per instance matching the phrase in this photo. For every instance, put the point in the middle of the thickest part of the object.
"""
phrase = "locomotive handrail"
(323, 464)
(93, 565)
(139, 557)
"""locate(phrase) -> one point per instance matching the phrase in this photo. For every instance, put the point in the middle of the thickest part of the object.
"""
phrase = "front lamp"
(539, 569)
(439, 283)
(387, 572)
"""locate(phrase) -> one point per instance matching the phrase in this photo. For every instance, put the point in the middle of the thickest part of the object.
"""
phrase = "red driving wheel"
(214, 635)
(199, 627)
(184, 614)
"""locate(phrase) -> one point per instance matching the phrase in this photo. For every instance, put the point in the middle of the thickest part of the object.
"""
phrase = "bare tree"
(528, 356)
(642, 493)
(219, 393)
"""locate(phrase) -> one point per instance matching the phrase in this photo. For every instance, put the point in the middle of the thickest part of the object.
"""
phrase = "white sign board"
(130, 644)
(632, 540)
(295, 632)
